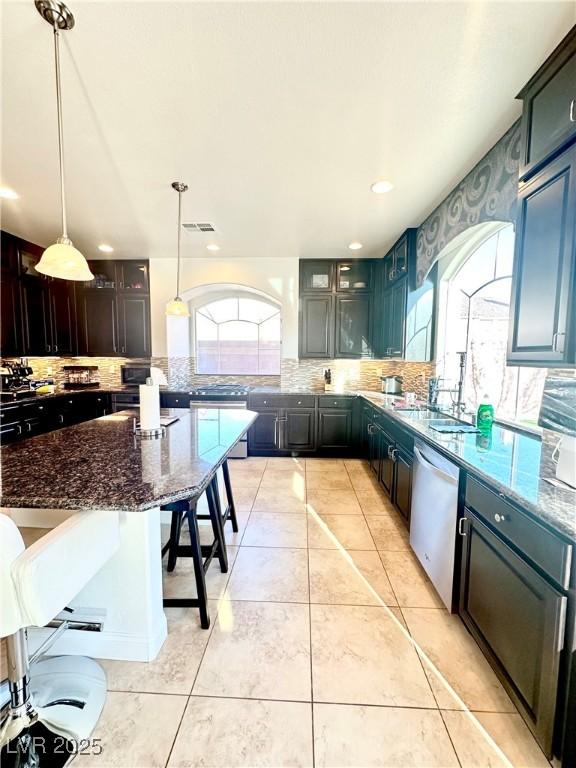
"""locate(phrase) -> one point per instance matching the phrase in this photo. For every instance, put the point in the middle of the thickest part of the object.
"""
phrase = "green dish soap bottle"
(485, 415)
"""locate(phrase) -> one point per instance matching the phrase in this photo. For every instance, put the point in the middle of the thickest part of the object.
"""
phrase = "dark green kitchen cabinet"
(316, 332)
(334, 429)
(335, 313)
(298, 429)
(353, 326)
(98, 323)
(134, 324)
(542, 304)
(402, 496)
(517, 618)
(549, 108)
(263, 435)
(394, 314)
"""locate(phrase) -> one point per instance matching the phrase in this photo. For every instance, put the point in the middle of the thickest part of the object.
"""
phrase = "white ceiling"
(279, 116)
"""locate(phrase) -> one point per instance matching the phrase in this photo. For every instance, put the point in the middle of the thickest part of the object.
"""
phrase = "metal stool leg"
(230, 496)
(216, 520)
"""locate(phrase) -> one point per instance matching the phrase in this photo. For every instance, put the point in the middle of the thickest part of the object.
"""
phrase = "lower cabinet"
(21, 420)
(175, 400)
(298, 430)
(334, 429)
(263, 434)
(403, 482)
(515, 610)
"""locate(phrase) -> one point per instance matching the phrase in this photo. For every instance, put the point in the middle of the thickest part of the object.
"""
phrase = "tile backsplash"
(297, 374)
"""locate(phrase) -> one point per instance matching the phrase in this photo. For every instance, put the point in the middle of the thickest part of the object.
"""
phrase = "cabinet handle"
(461, 524)
(394, 454)
(573, 111)
(299, 402)
(18, 429)
(55, 347)
(499, 518)
(265, 401)
(61, 418)
(40, 407)
(48, 348)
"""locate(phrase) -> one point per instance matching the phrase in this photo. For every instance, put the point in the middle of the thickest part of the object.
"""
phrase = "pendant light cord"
(60, 128)
(179, 233)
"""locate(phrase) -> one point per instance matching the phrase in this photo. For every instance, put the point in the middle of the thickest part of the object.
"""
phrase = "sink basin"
(450, 426)
(418, 413)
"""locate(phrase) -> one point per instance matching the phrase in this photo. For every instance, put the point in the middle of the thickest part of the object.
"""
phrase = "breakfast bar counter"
(103, 465)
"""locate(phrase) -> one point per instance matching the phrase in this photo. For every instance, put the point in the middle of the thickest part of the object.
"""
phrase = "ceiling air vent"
(199, 226)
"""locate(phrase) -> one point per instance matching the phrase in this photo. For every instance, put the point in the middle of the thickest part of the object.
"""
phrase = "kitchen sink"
(450, 426)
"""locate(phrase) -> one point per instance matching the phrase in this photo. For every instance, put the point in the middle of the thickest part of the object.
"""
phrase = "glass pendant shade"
(177, 308)
(64, 261)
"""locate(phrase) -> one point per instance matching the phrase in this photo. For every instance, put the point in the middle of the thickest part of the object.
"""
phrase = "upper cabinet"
(335, 312)
(549, 109)
(400, 258)
(543, 282)
(108, 316)
(542, 318)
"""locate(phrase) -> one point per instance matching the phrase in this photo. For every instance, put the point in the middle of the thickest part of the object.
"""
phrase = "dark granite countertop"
(514, 463)
(101, 464)
(35, 397)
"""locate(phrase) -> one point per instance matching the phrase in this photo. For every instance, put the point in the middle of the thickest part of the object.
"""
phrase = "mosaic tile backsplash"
(296, 374)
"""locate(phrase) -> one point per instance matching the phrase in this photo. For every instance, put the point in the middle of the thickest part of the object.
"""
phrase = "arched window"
(238, 335)
(475, 311)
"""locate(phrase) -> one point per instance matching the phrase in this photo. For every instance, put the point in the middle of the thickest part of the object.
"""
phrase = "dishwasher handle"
(419, 456)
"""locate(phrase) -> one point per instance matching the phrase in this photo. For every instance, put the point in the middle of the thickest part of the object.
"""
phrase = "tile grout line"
(309, 617)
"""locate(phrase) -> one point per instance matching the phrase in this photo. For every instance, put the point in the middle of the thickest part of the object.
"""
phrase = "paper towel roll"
(149, 406)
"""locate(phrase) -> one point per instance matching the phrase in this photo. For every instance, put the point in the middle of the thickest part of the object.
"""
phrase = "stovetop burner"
(223, 389)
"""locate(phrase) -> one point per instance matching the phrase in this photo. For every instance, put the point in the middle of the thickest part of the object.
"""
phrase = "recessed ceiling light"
(8, 194)
(105, 248)
(213, 247)
(355, 246)
(379, 187)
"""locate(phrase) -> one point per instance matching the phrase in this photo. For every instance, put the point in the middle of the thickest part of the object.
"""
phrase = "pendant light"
(176, 307)
(61, 259)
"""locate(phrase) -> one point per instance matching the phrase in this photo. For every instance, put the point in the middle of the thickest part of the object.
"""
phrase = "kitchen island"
(102, 465)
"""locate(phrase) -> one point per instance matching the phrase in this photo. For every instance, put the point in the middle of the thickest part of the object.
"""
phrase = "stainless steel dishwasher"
(434, 515)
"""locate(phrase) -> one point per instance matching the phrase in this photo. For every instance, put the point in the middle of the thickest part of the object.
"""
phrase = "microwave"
(134, 375)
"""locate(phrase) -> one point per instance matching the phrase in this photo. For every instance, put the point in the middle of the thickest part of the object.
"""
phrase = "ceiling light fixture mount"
(61, 260)
(355, 246)
(176, 307)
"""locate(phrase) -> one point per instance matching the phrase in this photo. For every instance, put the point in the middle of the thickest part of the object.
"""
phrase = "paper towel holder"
(148, 434)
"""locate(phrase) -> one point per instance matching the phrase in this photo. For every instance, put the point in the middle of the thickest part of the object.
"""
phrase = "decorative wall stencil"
(488, 193)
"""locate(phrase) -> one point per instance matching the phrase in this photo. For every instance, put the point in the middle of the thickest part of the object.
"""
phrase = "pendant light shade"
(64, 261)
(177, 307)
(61, 259)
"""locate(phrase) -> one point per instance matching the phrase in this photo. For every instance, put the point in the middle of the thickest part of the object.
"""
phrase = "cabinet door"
(541, 331)
(386, 463)
(134, 325)
(334, 429)
(353, 337)
(263, 435)
(403, 483)
(375, 437)
(549, 110)
(354, 275)
(518, 620)
(36, 316)
(62, 317)
(316, 276)
(298, 430)
(396, 319)
(132, 276)
(316, 326)
(10, 325)
(98, 332)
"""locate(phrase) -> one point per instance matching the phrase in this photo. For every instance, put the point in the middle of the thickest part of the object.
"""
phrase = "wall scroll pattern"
(488, 193)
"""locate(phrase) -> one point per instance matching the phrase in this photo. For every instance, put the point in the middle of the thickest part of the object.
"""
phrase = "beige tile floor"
(328, 647)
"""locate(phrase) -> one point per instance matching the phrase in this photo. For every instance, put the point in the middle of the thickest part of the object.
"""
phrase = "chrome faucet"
(435, 388)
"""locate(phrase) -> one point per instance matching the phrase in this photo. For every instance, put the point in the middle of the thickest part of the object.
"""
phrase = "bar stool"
(227, 510)
(201, 554)
(55, 697)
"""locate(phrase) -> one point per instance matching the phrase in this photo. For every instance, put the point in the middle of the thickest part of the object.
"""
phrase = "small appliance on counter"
(14, 377)
(328, 386)
(391, 385)
(136, 375)
(80, 376)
